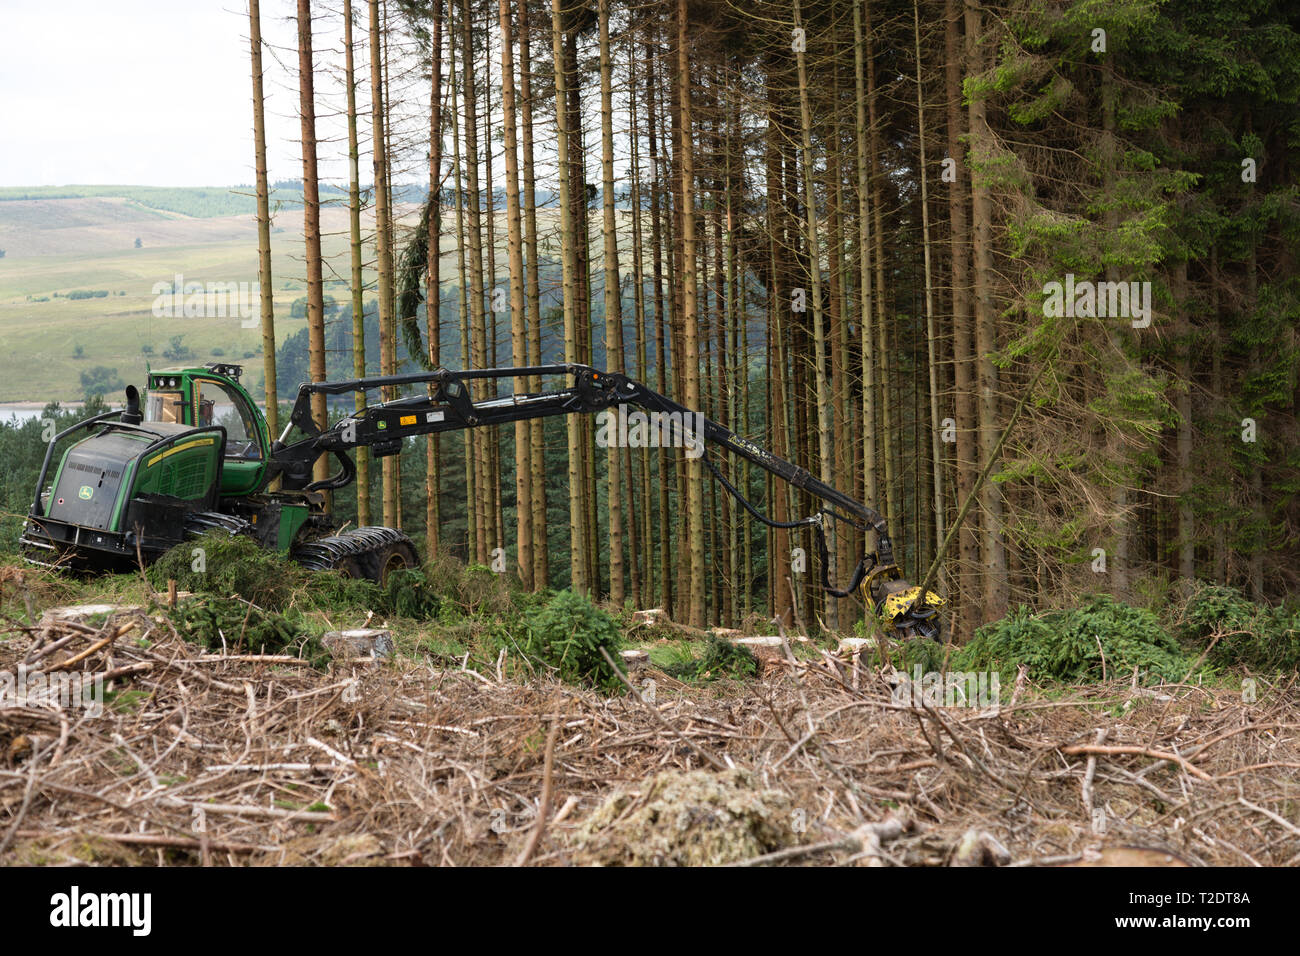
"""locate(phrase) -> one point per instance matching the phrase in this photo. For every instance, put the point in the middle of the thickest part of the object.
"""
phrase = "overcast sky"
(141, 92)
(159, 93)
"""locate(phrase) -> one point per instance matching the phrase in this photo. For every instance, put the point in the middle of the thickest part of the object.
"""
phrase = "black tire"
(379, 563)
(349, 566)
(372, 553)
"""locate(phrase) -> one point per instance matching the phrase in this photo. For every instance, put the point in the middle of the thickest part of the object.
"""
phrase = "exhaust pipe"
(132, 414)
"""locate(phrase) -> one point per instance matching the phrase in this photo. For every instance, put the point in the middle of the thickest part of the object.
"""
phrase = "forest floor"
(201, 758)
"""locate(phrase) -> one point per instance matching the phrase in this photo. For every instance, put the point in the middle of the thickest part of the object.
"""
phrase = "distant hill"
(94, 226)
(101, 220)
(77, 292)
(196, 202)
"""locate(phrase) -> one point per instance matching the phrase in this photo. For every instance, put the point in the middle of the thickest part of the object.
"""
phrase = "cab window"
(166, 407)
(219, 405)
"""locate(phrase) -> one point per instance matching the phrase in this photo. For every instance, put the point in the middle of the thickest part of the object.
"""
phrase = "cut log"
(359, 642)
(1129, 856)
(82, 613)
(634, 659)
(761, 647)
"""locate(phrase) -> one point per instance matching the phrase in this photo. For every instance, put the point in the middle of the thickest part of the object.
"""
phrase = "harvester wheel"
(370, 552)
(379, 563)
(349, 566)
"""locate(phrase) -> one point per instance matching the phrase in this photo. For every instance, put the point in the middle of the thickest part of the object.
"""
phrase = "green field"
(86, 243)
(39, 357)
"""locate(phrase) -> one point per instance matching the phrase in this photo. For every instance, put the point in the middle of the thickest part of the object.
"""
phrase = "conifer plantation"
(1022, 278)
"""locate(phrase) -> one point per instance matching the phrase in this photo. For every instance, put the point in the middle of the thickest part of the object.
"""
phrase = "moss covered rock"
(693, 818)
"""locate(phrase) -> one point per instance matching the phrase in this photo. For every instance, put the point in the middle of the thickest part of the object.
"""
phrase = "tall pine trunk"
(536, 436)
(311, 228)
(472, 503)
(865, 304)
(266, 302)
(657, 243)
(433, 272)
(484, 523)
(823, 392)
(1184, 441)
(967, 578)
(994, 556)
(518, 318)
(577, 506)
(778, 303)
(613, 306)
(889, 438)
(354, 241)
(645, 534)
(384, 252)
(931, 332)
(689, 359)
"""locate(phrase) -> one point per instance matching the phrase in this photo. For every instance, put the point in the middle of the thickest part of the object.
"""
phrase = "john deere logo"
(86, 493)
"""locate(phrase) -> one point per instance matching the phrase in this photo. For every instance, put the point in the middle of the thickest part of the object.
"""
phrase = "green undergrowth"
(455, 614)
(406, 594)
(1100, 638)
(1214, 629)
(1238, 632)
(234, 626)
(719, 660)
(923, 653)
(567, 635)
(220, 564)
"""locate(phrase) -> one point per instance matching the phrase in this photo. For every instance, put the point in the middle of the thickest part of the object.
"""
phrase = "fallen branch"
(544, 807)
(1141, 752)
(865, 841)
(245, 810)
(249, 659)
(1281, 821)
(704, 754)
(97, 646)
(1088, 776)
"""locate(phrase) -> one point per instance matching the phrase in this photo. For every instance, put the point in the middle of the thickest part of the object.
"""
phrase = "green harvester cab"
(192, 455)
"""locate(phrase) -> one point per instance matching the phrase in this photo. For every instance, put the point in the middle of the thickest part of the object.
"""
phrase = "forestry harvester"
(195, 455)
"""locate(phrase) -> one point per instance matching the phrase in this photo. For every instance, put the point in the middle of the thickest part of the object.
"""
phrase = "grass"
(112, 331)
(198, 201)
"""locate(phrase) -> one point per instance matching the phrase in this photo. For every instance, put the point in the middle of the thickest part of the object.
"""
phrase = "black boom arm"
(448, 406)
